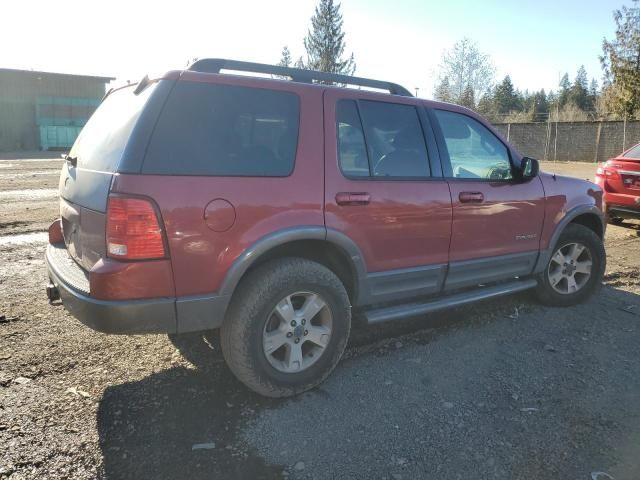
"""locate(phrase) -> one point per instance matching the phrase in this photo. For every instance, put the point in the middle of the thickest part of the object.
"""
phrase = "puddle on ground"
(24, 238)
(29, 194)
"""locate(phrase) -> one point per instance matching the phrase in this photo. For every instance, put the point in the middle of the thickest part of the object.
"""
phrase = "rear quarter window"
(223, 130)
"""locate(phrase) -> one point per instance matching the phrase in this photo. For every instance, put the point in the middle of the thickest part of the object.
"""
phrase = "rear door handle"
(353, 198)
(471, 197)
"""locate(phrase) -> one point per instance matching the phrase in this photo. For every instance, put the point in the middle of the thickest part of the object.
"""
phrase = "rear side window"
(103, 139)
(380, 139)
(207, 129)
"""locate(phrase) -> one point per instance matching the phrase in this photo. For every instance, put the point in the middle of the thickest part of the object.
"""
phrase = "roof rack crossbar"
(215, 65)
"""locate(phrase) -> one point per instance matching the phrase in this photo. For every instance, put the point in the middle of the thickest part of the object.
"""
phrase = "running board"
(396, 312)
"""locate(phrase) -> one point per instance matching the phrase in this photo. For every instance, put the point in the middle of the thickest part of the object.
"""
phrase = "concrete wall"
(574, 141)
(19, 91)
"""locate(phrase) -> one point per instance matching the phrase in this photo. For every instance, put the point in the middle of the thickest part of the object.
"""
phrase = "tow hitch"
(52, 293)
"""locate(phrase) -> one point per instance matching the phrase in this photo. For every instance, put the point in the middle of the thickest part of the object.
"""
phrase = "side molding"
(467, 273)
(572, 214)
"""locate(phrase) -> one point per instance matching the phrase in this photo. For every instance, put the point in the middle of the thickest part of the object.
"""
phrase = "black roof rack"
(214, 65)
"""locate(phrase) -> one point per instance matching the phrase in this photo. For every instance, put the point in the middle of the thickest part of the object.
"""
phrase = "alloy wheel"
(297, 332)
(570, 268)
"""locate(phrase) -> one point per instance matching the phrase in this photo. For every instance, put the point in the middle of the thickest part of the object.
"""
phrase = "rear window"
(224, 130)
(634, 153)
(103, 139)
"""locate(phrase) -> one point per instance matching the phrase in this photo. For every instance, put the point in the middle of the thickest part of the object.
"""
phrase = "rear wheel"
(287, 327)
(575, 269)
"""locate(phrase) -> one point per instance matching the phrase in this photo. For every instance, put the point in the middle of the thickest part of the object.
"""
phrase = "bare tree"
(464, 65)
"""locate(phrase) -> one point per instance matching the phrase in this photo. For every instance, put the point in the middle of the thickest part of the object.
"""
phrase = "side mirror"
(529, 168)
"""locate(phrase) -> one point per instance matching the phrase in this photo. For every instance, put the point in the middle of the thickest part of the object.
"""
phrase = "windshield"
(103, 139)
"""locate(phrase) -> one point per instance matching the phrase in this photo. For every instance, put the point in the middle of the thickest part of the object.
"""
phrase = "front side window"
(379, 139)
(224, 130)
(474, 151)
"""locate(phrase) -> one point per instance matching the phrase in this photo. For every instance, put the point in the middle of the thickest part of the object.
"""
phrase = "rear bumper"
(156, 315)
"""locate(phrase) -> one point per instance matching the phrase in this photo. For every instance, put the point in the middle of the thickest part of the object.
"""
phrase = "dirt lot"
(506, 389)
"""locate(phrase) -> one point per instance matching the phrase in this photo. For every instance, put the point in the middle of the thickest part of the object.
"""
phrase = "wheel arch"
(588, 216)
(328, 247)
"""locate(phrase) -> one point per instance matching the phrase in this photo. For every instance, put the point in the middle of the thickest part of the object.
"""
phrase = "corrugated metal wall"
(19, 95)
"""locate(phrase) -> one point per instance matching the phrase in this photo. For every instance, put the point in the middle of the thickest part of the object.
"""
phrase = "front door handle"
(471, 197)
(353, 198)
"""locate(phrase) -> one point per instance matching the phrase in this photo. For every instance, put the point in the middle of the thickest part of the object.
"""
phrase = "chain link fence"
(572, 141)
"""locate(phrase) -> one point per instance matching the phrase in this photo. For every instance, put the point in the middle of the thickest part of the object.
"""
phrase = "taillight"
(606, 172)
(133, 230)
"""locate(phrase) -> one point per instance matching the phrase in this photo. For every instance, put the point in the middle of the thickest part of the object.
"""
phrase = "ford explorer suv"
(276, 209)
(619, 179)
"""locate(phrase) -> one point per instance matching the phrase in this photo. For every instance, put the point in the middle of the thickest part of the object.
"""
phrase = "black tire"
(256, 297)
(616, 220)
(574, 233)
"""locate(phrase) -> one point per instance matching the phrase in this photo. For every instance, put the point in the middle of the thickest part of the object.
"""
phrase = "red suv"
(274, 210)
(619, 178)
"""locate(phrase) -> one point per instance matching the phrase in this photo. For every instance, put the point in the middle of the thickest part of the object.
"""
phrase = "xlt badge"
(529, 236)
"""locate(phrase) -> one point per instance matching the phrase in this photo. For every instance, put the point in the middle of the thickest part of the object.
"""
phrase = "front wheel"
(575, 268)
(287, 327)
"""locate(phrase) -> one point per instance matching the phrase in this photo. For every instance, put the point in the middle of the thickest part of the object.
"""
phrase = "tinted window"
(634, 153)
(395, 142)
(474, 151)
(103, 139)
(352, 152)
(207, 129)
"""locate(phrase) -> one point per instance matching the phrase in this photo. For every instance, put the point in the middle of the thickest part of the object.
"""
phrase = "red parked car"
(275, 209)
(619, 179)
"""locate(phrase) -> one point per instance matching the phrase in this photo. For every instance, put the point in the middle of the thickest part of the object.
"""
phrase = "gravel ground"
(28, 189)
(506, 389)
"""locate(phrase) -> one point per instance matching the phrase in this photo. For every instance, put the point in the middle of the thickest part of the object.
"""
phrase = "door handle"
(471, 197)
(353, 198)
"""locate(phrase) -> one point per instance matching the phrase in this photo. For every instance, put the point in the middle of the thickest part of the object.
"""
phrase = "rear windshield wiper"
(72, 160)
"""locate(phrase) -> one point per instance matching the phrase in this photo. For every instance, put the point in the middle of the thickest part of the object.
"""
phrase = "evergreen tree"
(324, 42)
(565, 88)
(505, 96)
(540, 105)
(285, 57)
(467, 99)
(579, 93)
(593, 94)
(621, 62)
(442, 92)
(486, 107)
